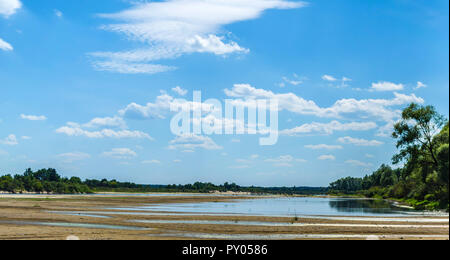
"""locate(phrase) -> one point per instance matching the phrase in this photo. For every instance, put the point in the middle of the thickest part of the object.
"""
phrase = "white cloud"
(4, 46)
(359, 163)
(359, 142)
(324, 147)
(74, 129)
(327, 157)
(191, 142)
(151, 162)
(9, 140)
(177, 161)
(328, 128)
(33, 118)
(26, 137)
(180, 91)
(9, 7)
(370, 155)
(72, 157)
(387, 86)
(130, 67)
(100, 122)
(120, 153)
(150, 110)
(295, 82)
(254, 156)
(171, 28)
(420, 85)
(345, 79)
(284, 161)
(380, 109)
(58, 13)
(329, 78)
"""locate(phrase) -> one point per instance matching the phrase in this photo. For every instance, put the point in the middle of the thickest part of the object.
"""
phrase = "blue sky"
(85, 85)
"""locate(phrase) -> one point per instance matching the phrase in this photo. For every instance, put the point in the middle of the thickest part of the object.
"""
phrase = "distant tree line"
(49, 181)
(423, 181)
(42, 181)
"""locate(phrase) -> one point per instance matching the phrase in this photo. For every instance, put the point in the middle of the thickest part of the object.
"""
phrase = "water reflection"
(284, 207)
(364, 206)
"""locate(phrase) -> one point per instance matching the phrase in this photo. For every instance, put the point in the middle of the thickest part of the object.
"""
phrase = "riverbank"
(118, 218)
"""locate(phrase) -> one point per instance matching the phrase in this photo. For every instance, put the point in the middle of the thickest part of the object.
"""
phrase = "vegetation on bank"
(49, 181)
(423, 181)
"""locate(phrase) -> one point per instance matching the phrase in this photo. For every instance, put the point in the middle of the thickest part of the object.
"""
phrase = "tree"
(415, 133)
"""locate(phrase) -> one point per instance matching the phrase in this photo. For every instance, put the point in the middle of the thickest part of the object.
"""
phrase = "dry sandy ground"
(34, 218)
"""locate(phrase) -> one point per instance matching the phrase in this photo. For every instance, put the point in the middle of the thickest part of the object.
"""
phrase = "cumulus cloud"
(328, 128)
(180, 91)
(191, 142)
(387, 86)
(324, 147)
(420, 85)
(4, 46)
(329, 78)
(381, 109)
(158, 109)
(171, 28)
(359, 142)
(9, 140)
(106, 122)
(33, 118)
(9, 7)
(341, 83)
(120, 153)
(74, 129)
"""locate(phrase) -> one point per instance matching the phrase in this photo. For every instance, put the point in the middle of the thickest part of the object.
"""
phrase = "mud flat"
(126, 217)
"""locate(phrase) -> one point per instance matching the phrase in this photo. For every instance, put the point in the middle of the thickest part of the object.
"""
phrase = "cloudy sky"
(86, 86)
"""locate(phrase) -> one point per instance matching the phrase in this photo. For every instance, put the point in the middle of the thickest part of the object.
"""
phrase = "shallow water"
(292, 236)
(279, 224)
(80, 214)
(73, 225)
(285, 207)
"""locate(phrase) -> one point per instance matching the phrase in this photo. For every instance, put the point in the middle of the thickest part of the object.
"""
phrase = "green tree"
(415, 133)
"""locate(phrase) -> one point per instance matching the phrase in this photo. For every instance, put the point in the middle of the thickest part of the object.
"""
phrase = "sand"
(32, 217)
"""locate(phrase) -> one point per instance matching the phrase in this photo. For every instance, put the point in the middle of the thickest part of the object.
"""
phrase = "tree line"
(49, 181)
(423, 179)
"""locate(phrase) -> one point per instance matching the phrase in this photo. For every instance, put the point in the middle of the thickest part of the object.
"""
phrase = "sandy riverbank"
(35, 217)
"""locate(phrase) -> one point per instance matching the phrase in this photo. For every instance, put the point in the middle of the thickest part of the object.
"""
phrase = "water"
(292, 236)
(279, 224)
(74, 225)
(285, 207)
